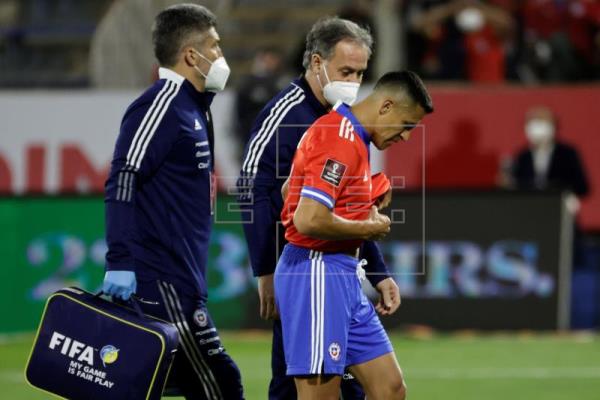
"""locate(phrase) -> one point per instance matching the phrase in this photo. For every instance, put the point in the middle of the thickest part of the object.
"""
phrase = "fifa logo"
(72, 348)
(81, 352)
(109, 354)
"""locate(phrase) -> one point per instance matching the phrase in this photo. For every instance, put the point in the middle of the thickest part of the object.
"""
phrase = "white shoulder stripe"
(140, 157)
(146, 140)
(274, 112)
(150, 123)
(346, 129)
(341, 132)
(263, 145)
(350, 130)
(147, 117)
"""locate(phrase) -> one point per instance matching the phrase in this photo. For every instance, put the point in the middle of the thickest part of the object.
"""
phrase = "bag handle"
(133, 302)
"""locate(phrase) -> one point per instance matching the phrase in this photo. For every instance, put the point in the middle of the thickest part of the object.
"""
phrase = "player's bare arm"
(316, 220)
(285, 188)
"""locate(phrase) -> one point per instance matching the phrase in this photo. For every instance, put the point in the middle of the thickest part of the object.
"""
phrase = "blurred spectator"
(551, 164)
(561, 39)
(121, 55)
(459, 39)
(45, 42)
(548, 163)
(10, 46)
(49, 12)
(255, 90)
(9, 13)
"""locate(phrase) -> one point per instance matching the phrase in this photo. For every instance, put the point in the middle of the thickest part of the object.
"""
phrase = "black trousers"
(202, 370)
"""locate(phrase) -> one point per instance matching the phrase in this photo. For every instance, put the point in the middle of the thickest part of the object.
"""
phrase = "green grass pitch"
(455, 367)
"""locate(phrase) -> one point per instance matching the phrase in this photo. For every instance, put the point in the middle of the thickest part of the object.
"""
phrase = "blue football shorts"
(328, 323)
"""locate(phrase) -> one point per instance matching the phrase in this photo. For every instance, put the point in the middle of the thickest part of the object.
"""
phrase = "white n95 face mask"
(339, 90)
(217, 75)
(470, 19)
(539, 131)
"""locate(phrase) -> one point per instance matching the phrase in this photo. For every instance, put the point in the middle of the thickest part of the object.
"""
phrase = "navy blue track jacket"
(267, 162)
(159, 191)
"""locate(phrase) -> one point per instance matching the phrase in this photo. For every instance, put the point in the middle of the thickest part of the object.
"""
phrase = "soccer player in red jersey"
(328, 323)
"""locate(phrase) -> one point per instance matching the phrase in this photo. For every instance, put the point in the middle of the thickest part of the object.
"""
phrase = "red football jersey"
(331, 166)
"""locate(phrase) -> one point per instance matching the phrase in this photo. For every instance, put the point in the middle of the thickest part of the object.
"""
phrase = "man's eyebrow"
(351, 69)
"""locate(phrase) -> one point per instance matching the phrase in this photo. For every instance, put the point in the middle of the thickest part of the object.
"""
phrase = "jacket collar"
(315, 104)
(203, 98)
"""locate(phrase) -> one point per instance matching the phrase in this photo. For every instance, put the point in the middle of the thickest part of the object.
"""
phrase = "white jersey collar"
(169, 74)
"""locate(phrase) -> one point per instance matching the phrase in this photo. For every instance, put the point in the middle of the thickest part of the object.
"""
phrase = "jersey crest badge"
(334, 351)
(200, 318)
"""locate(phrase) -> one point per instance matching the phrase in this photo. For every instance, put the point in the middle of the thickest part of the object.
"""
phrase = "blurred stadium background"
(500, 278)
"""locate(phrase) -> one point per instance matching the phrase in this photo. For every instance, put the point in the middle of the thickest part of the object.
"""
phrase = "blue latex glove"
(120, 284)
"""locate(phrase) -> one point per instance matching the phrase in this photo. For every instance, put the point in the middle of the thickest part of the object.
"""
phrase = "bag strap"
(133, 302)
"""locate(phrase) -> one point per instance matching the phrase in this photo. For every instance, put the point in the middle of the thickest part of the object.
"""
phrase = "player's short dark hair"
(329, 31)
(410, 83)
(173, 26)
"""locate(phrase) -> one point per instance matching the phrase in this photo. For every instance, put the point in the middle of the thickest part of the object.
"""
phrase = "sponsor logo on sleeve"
(333, 172)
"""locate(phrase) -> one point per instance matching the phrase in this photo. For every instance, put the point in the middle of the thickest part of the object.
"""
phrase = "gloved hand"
(120, 284)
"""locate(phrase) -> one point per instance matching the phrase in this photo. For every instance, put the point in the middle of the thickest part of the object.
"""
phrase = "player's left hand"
(389, 297)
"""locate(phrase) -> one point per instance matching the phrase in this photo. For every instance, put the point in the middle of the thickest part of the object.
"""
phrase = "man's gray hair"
(329, 31)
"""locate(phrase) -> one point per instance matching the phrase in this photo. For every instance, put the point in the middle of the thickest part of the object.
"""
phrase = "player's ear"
(386, 106)
(315, 62)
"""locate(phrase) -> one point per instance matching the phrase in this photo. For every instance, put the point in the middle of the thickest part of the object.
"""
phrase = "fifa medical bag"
(90, 348)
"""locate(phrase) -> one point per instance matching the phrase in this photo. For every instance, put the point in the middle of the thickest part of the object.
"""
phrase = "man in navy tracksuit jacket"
(159, 199)
(336, 51)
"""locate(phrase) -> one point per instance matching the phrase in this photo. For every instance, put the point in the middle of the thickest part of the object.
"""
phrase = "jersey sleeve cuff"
(318, 195)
